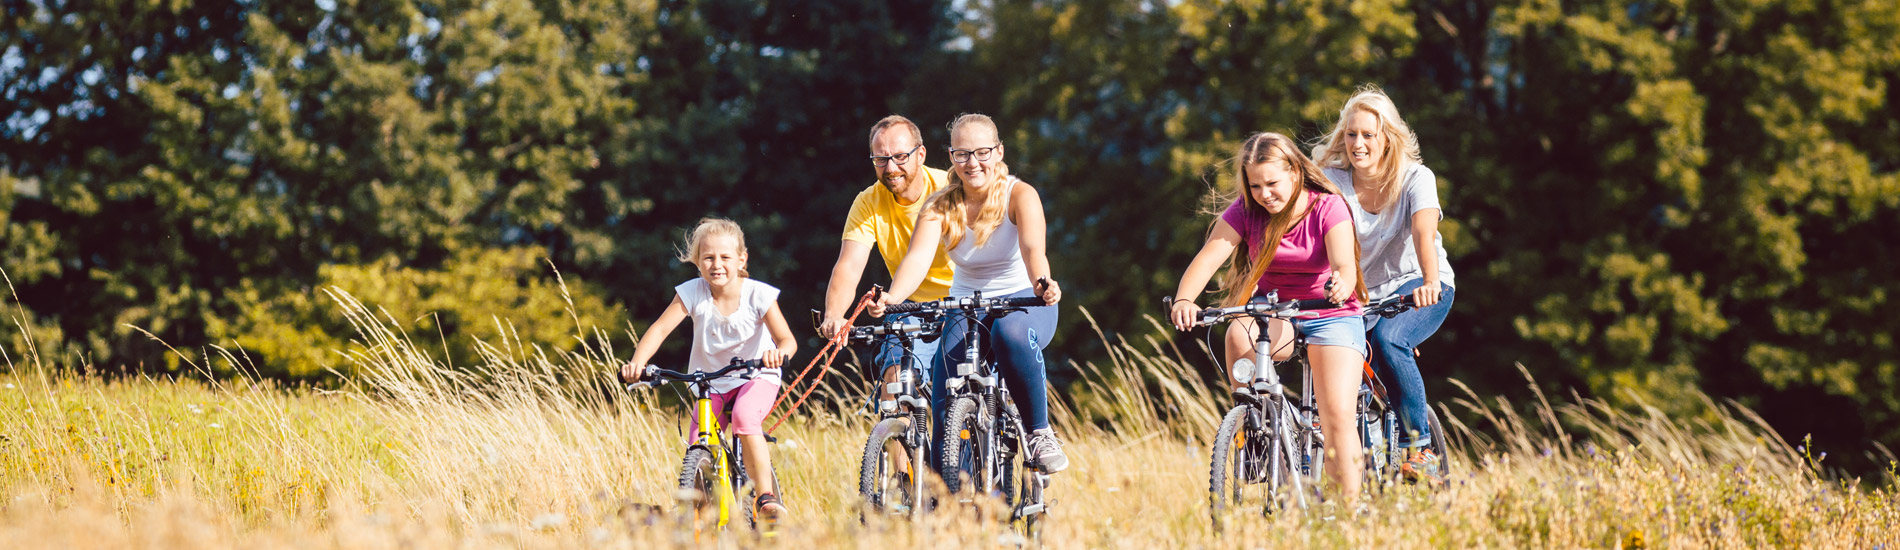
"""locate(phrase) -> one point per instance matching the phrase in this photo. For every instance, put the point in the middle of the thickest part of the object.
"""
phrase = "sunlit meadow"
(535, 448)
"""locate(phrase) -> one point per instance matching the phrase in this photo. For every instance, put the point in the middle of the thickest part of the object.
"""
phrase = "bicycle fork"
(723, 491)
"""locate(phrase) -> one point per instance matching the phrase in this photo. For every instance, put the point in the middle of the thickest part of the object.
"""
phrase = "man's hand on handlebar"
(832, 325)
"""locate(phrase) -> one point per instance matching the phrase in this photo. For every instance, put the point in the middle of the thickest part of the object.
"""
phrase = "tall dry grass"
(535, 448)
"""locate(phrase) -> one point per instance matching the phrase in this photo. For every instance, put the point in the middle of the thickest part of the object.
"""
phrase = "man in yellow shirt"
(884, 215)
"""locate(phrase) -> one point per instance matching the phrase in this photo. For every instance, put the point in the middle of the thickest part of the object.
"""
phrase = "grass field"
(536, 449)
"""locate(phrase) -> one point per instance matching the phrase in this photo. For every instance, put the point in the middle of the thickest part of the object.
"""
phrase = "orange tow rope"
(825, 355)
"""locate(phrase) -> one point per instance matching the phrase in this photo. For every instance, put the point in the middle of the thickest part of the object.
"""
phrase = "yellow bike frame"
(708, 437)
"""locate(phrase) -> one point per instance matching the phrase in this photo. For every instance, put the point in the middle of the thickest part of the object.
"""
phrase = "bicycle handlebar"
(1265, 306)
(655, 375)
(964, 303)
(866, 334)
(1392, 306)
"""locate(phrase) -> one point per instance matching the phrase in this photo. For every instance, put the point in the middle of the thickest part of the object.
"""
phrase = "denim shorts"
(1348, 331)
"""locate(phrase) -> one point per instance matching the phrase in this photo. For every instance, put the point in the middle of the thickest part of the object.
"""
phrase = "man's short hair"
(894, 120)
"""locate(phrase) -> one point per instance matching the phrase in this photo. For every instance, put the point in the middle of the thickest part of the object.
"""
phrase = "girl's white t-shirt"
(717, 338)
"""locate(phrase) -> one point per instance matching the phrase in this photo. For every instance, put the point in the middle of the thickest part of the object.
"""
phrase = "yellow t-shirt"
(877, 219)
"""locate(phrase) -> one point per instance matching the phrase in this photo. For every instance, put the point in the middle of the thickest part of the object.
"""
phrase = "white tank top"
(996, 268)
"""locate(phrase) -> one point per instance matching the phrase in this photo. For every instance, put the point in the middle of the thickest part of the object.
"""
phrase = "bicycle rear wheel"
(1378, 433)
(1438, 444)
(1009, 448)
(887, 477)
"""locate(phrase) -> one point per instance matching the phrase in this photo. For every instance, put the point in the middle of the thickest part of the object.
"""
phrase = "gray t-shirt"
(1386, 253)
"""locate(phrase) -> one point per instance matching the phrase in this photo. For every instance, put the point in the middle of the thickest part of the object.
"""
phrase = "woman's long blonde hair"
(711, 227)
(951, 201)
(1401, 145)
(1244, 276)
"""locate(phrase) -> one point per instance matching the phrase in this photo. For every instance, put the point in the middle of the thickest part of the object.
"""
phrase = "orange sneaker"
(1422, 464)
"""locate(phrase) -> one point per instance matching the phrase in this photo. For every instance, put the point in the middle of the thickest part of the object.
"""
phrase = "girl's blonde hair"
(1244, 276)
(711, 227)
(950, 202)
(1401, 145)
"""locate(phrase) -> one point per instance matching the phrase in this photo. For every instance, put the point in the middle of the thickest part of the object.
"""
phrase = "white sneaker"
(1047, 450)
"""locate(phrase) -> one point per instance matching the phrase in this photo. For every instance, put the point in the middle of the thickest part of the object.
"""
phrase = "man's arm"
(845, 274)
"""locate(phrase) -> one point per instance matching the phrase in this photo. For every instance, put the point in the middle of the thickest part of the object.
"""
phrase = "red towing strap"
(825, 355)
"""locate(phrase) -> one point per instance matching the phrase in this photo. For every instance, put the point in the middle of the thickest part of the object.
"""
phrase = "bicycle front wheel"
(699, 474)
(964, 446)
(1239, 457)
(886, 479)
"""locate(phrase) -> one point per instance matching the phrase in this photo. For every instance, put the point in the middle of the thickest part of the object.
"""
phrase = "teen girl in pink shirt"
(1298, 235)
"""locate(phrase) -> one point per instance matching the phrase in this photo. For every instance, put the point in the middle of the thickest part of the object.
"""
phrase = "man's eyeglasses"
(900, 158)
(964, 155)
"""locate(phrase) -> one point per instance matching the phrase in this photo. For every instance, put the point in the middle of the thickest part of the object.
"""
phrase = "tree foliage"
(1640, 196)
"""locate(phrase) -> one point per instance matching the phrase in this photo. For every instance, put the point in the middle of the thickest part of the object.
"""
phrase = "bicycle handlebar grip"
(906, 307)
(1024, 302)
(1314, 304)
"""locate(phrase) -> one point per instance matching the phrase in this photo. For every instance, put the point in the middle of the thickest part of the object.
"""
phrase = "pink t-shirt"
(1300, 265)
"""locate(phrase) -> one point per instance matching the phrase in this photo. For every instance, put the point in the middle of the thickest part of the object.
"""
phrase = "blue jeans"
(890, 351)
(1016, 342)
(1392, 343)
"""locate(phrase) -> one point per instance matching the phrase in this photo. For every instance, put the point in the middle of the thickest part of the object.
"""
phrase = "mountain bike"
(1267, 441)
(711, 468)
(1379, 423)
(891, 476)
(982, 431)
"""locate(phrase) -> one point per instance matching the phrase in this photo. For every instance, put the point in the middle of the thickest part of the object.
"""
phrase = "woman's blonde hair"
(1244, 276)
(950, 202)
(711, 227)
(1401, 145)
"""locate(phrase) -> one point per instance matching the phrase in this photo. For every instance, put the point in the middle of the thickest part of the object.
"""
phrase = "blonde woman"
(1297, 237)
(1372, 155)
(991, 225)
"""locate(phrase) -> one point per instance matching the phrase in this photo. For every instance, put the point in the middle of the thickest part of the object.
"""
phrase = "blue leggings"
(1392, 343)
(1016, 342)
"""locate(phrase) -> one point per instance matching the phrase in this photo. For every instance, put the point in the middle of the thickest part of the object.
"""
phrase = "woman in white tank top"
(992, 227)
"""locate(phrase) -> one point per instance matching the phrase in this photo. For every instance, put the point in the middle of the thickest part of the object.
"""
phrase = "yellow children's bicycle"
(712, 471)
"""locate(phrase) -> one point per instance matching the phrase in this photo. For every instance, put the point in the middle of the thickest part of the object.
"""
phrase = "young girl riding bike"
(1299, 241)
(733, 317)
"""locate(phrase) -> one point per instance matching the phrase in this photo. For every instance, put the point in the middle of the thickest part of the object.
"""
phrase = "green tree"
(1667, 194)
(221, 146)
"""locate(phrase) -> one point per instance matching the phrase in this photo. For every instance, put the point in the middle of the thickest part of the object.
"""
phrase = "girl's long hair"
(951, 202)
(1244, 276)
(710, 227)
(1401, 145)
